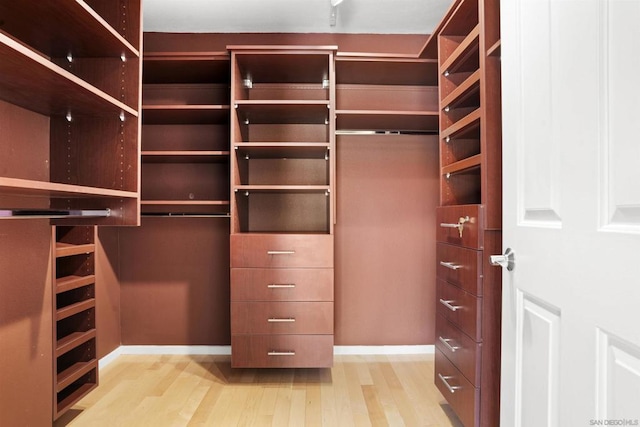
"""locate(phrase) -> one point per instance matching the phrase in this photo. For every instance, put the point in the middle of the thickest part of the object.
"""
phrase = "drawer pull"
(450, 265)
(281, 320)
(459, 225)
(445, 341)
(281, 353)
(449, 306)
(281, 252)
(280, 285)
(451, 388)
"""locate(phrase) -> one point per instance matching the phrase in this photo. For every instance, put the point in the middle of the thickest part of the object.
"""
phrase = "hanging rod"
(386, 132)
(184, 215)
(53, 213)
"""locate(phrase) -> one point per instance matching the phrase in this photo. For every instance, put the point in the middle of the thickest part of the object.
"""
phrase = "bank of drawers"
(459, 308)
(281, 300)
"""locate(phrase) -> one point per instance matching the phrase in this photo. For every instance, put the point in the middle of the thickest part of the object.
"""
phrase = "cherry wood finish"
(287, 351)
(282, 317)
(78, 66)
(281, 251)
(467, 44)
(282, 284)
(465, 398)
(75, 362)
(461, 350)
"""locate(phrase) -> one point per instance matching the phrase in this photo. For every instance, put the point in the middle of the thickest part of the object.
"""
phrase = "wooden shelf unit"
(386, 93)
(469, 218)
(75, 364)
(70, 87)
(185, 133)
(282, 204)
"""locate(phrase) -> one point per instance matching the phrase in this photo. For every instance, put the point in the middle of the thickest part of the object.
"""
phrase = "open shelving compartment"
(70, 108)
(75, 364)
(185, 135)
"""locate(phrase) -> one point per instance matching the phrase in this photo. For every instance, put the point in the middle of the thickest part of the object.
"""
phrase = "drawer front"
(461, 308)
(463, 397)
(461, 350)
(282, 317)
(282, 250)
(460, 266)
(281, 351)
(472, 219)
(282, 284)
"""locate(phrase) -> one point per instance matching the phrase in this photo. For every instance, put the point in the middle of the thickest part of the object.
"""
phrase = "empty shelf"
(68, 249)
(67, 283)
(73, 340)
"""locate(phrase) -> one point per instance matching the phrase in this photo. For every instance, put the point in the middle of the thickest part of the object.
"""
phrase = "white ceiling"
(293, 16)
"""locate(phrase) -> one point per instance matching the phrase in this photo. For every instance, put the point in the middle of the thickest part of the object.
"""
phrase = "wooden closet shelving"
(71, 78)
(185, 154)
(282, 205)
(469, 219)
(75, 364)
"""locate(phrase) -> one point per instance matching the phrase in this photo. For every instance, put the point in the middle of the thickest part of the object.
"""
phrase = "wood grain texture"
(205, 391)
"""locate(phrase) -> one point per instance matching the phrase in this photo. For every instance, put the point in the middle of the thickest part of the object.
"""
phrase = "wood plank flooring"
(204, 391)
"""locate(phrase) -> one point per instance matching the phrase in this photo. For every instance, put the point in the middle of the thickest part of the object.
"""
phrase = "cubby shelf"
(72, 398)
(33, 188)
(74, 372)
(470, 120)
(68, 283)
(383, 120)
(283, 188)
(73, 340)
(73, 309)
(185, 156)
(470, 86)
(462, 165)
(289, 150)
(68, 249)
(179, 114)
(467, 48)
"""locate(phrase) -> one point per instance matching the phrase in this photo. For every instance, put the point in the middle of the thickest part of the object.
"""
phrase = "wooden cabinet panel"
(281, 284)
(459, 266)
(461, 350)
(281, 351)
(281, 250)
(463, 397)
(274, 317)
(461, 225)
(461, 308)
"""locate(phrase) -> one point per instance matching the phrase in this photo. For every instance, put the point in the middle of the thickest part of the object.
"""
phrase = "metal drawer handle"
(450, 265)
(281, 353)
(459, 225)
(448, 304)
(451, 388)
(281, 285)
(445, 341)
(281, 320)
(281, 252)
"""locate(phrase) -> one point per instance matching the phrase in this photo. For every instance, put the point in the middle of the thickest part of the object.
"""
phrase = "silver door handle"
(448, 305)
(445, 341)
(507, 260)
(451, 388)
(450, 265)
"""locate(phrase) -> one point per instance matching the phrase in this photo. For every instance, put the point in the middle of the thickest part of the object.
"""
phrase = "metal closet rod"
(53, 213)
(184, 215)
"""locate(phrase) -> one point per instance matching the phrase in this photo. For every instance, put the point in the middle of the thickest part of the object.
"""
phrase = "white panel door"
(571, 173)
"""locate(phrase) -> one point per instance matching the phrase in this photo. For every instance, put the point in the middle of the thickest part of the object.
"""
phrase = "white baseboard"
(225, 350)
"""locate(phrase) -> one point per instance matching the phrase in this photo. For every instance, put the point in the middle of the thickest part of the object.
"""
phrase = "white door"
(571, 174)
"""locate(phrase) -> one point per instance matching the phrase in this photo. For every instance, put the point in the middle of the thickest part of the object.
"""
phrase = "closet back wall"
(174, 272)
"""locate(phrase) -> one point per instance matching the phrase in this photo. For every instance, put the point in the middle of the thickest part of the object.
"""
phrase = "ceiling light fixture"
(334, 12)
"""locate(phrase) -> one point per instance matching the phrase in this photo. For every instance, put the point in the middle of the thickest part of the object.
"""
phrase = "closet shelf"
(282, 112)
(494, 50)
(292, 150)
(68, 249)
(185, 114)
(184, 202)
(73, 340)
(74, 372)
(469, 87)
(67, 283)
(185, 156)
(282, 188)
(386, 71)
(86, 34)
(73, 397)
(467, 48)
(383, 120)
(463, 125)
(464, 165)
(26, 187)
(76, 308)
(59, 91)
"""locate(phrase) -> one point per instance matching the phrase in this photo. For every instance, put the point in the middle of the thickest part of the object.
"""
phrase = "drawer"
(461, 350)
(461, 308)
(472, 219)
(282, 317)
(463, 397)
(281, 351)
(460, 266)
(282, 284)
(282, 250)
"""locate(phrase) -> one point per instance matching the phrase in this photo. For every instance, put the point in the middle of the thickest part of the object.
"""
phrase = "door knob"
(507, 260)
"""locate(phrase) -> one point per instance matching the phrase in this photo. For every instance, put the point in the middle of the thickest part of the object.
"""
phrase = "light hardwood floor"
(204, 391)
